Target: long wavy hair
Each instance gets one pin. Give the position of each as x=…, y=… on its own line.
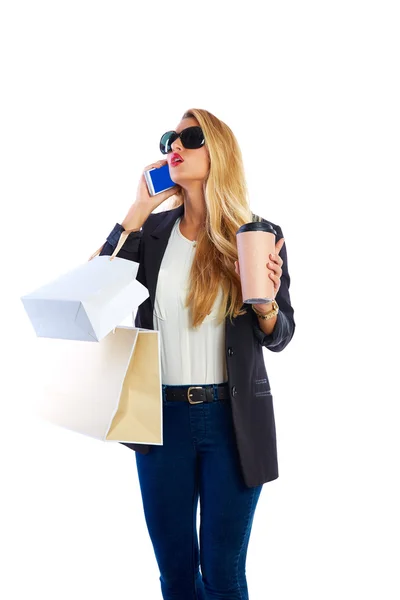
x=227, y=208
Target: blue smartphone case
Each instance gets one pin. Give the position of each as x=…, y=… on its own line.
x=158, y=180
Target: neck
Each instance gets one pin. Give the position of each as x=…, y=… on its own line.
x=195, y=210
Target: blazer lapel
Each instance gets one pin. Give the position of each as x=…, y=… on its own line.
x=157, y=242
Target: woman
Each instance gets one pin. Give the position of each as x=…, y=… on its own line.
x=219, y=441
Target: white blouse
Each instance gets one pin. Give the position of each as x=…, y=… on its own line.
x=188, y=356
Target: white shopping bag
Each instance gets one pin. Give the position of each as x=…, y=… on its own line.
x=110, y=391
x=88, y=302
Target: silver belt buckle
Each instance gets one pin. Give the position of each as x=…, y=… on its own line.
x=194, y=387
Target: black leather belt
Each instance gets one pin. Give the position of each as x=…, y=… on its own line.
x=196, y=394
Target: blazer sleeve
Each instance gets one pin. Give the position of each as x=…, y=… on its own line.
x=285, y=324
x=131, y=250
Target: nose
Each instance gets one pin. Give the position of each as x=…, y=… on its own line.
x=176, y=145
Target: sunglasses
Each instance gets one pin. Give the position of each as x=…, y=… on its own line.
x=191, y=138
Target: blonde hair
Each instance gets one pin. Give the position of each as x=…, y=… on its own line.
x=226, y=198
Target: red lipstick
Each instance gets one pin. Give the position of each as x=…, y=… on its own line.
x=176, y=159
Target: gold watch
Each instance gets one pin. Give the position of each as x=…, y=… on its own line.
x=270, y=314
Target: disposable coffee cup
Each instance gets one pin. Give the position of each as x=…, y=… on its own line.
x=255, y=242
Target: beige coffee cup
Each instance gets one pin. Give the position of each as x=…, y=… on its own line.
x=255, y=242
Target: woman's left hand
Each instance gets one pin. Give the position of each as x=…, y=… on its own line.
x=275, y=266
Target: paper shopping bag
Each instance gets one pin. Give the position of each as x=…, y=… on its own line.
x=110, y=391
x=88, y=302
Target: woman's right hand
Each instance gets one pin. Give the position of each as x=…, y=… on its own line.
x=144, y=204
x=144, y=200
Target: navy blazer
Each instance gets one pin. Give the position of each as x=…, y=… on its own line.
x=250, y=392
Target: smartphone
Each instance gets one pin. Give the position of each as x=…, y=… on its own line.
x=158, y=180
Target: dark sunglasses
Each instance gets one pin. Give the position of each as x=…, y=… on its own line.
x=191, y=138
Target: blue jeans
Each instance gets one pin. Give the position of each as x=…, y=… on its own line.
x=199, y=458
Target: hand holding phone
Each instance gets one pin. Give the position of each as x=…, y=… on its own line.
x=158, y=179
x=158, y=184
x=146, y=203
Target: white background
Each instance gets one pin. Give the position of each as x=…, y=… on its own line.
x=311, y=90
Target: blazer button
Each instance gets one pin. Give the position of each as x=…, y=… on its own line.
x=234, y=392
x=230, y=351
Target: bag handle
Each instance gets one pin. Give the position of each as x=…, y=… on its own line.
x=121, y=242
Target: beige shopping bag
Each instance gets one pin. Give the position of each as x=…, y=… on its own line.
x=110, y=390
